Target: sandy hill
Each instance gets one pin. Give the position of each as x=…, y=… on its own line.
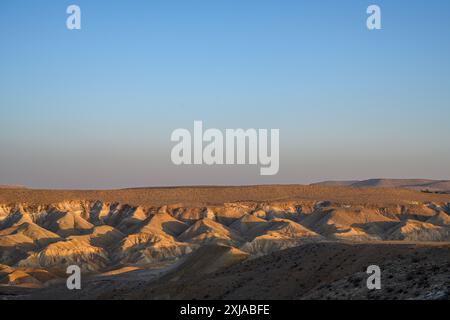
x=207, y=259
x=161, y=226
x=163, y=222
x=323, y=270
x=248, y=223
x=317, y=271
x=208, y=231
x=440, y=219
x=412, y=230
x=28, y=230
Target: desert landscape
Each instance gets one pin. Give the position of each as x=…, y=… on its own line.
x=252, y=242
x=235, y=155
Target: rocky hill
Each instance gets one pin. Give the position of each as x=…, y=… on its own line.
x=427, y=185
x=39, y=239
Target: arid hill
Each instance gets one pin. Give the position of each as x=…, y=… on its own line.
x=155, y=233
x=412, y=184
x=316, y=271
x=198, y=196
x=325, y=270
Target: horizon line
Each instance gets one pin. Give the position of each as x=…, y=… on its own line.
x=25, y=187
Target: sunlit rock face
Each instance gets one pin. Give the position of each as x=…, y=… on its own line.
x=100, y=236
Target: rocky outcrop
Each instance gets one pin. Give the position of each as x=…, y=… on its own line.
x=100, y=236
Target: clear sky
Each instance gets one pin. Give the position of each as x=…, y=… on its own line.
x=94, y=108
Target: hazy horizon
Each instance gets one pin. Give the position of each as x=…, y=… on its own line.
x=94, y=108
x=206, y=185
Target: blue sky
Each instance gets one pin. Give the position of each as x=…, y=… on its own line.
x=94, y=108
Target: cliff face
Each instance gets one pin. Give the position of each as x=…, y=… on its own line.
x=100, y=236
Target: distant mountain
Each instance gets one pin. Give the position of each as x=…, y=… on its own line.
x=437, y=186
x=337, y=183
x=414, y=184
